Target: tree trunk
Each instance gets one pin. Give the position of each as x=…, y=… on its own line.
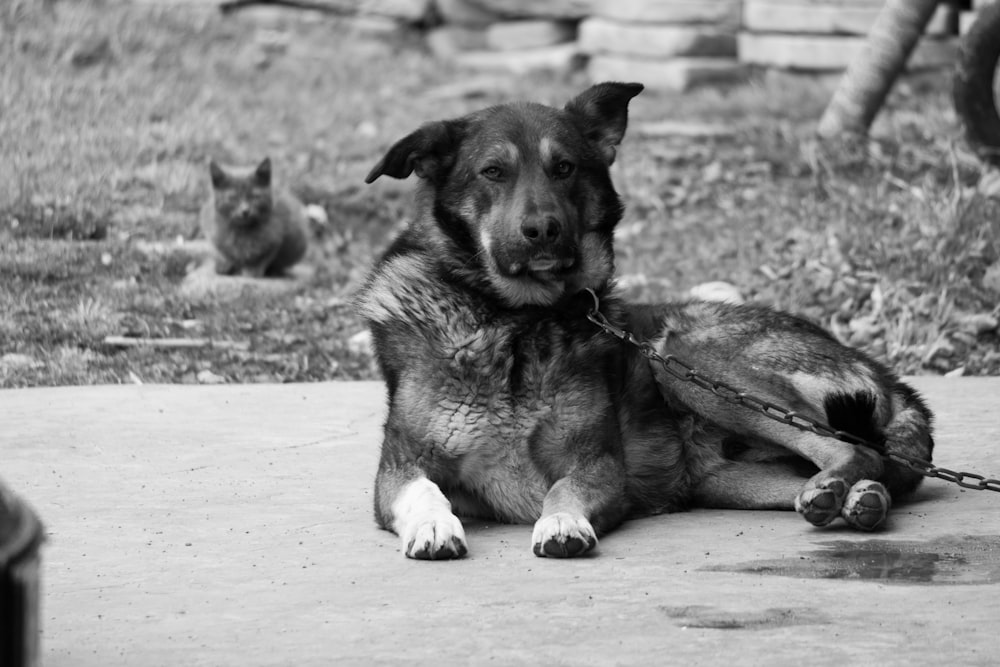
x=869, y=77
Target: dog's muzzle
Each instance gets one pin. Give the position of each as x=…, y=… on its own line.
x=542, y=248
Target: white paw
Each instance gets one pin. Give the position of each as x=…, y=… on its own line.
x=563, y=535
x=434, y=536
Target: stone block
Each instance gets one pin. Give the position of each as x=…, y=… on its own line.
x=529, y=34
x=203, y=284
x=410, y=11
x=674, y=74
x=448, y=40
x=828, y=17
x=554, y=9
x=562, y=57
x=718, y=12
x=465, y=13
x=659, y=129
x=597, y=35
x=829, y=52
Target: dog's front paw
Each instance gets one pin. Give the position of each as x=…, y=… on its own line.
x=867, y=505
x=563, y=535
x=822, y=503
x=438, y=536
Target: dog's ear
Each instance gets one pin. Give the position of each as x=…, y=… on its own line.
x=429, y=151
x=603, y=113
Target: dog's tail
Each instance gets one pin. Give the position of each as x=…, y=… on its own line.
x=908, y=433
x=905, y=429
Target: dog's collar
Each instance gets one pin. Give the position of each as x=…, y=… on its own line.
x=595, y=315
x=595, y=309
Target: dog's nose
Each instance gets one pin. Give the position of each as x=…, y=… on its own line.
x=541, y=230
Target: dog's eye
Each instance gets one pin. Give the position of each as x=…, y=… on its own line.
x=563, y=168
x=493, y=173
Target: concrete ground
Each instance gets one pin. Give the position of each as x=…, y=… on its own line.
x=231, y=525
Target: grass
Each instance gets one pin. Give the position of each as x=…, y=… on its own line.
x=111, y=111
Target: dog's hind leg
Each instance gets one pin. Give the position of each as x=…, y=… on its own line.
x=896, y=421
x=788, y=362
x=842, y=487
x=745, y=485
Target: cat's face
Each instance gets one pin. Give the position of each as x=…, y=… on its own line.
x=242, y=196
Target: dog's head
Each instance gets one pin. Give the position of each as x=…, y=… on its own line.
x=518, y=199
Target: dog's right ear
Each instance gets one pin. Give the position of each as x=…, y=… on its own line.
x=429, y=151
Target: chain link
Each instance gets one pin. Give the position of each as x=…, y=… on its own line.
x=730, y=394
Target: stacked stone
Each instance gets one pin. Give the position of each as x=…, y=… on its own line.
x=826, y=35
x=510, y=35
x=666, y=44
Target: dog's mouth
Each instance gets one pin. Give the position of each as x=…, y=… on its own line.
x=541, y=267
x=537, y=276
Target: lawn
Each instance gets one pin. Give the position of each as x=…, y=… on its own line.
x=109, y=113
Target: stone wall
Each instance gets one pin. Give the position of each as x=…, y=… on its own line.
x=667, y=44
x=825, y=35
x=672, y=45
x=675, y=44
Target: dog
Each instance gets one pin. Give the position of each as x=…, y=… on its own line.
x=506, y=402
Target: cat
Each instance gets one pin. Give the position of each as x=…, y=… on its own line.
x=256, y=229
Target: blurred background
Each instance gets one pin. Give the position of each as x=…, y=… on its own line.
x=111, y=109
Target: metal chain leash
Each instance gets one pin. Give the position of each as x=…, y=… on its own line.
x=730, y=394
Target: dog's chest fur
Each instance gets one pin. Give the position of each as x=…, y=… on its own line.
x=488, y=396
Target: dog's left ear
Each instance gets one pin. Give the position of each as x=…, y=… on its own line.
x=429, y=151
x=603, y=112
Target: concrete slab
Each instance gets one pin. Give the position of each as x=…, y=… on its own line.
x=831, y=52
x=231, y=525
x=655, y=40
x=829, y=16
x=529, y=34
x=716, y=12
x=560, y=58
x=673, y=74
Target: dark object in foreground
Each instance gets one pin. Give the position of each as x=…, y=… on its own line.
x=21, y=536
x=974, y=90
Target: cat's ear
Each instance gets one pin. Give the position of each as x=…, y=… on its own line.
x=218, y=176
x=263, y=173
x=429, y=151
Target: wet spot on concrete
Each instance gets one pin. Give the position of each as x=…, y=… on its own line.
x=948, y=560
x=698, y=616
